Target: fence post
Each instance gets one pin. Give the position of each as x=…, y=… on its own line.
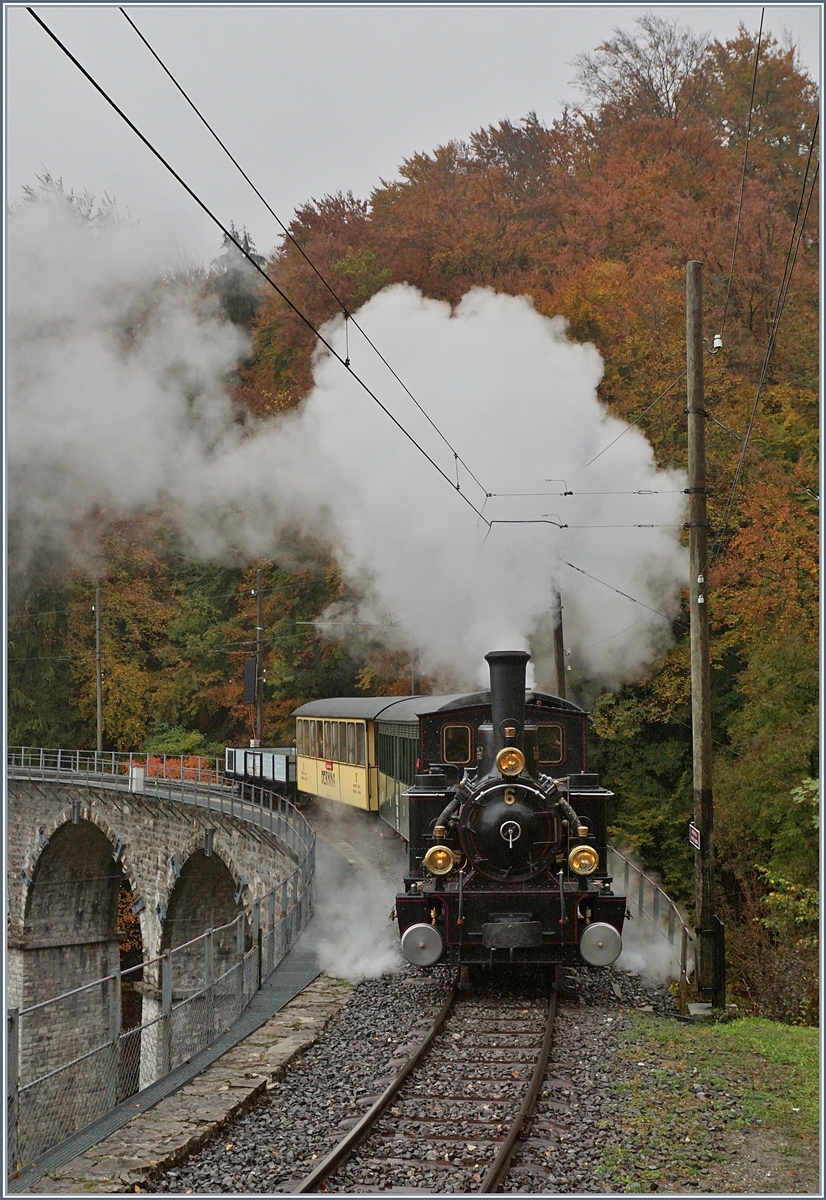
x=209, y=975
x=271, y=931
x=115, y=1029
x=256, y=938
x=285, y=907
x=683, y=976
x=641, y=899
x=719, y=996
x=294, y=905
x=239, y=959
x=13, y=1087
x=166, y=1012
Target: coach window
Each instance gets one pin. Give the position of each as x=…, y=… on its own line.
x=361, y=756
x=328, y=742
x=336, y=756
x=311, y=750
x=351, y=742
x=456, y=744
x=550, y=744
x=299, y=737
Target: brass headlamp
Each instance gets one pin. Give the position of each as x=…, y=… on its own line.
x=439, y=860
x=583, y=860
x=510, y=761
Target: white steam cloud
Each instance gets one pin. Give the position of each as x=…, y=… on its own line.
x=119, y=405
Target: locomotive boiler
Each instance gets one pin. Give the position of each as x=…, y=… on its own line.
x=507, y=860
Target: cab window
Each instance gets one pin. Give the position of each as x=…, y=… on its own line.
x=456, y=744
x=550, y=743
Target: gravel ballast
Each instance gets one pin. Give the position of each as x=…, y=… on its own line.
x=272, y=1145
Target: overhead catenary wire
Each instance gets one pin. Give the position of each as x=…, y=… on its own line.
x=659, y=613
x=765, y=458
x=638, y=492
x=268, y=278
x=743, y=173
x=636, y=419
x=788, y=268
x=348, y=316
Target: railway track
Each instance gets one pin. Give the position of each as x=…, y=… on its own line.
x=458, y=1107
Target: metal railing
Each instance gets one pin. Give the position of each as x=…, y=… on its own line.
x=189, y=993
x=192, y=767
x=655, y=906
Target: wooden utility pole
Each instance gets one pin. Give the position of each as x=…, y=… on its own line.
x=259, y=660
x=415, y=671
x=698, y=596
x=98, y=674
x=559, y=646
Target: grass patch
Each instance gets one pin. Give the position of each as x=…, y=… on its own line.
x=783, y=1066
x=680, y=1086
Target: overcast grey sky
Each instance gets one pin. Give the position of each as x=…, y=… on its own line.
x=311, y=99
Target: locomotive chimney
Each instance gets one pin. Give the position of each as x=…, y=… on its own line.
x=507, y=697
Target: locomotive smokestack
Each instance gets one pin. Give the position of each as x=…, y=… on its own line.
x=507, y=697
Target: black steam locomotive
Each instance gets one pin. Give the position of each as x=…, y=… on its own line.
x=508, y=863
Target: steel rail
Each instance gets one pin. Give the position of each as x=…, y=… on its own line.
x=501, y=1163
x=332, y=1161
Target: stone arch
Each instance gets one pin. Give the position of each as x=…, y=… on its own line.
x=70, y=939
x=202, y=898
x=71, y=908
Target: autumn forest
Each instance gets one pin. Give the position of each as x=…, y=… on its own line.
x=687, y=149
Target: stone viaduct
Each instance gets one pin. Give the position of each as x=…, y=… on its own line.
x=76, y=849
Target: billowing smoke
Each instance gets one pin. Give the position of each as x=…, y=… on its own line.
x=518, y=401
x=351, y=932
x=118, y=404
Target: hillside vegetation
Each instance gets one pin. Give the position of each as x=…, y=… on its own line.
x=594, y=216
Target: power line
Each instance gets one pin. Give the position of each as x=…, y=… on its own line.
x=564, y=525
x=348, y=316
x=294, y=307
x=743, y=175
x=638, y=492
x=765, y=458
x=611, y=588
x=636, y=419
x=788, y=268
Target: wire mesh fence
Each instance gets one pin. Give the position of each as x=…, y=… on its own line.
x=69, y=1057
x=647, y=900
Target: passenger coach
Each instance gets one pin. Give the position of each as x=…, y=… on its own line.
x=366, y=752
